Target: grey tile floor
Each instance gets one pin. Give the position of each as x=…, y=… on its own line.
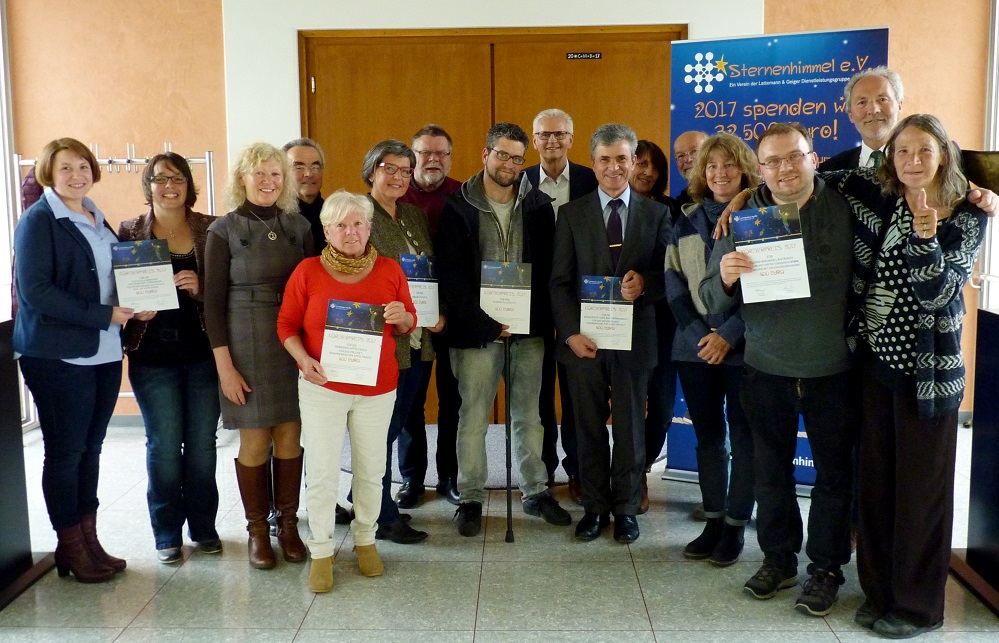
x=544, y=587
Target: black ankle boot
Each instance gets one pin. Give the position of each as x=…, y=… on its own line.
x=729, y=545
x=702, y=546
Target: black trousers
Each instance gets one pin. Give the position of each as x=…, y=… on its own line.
x=413, y=438
x=610, y=479
x=906, y=493
x=830, y=406
x=549, y=420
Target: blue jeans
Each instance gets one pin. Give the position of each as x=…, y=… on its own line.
x=712, y=393
x=180, y=408
x=478, y=371
x=831, y=408
x=407, y=390
x=75, y=404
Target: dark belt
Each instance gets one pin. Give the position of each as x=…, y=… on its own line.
x=263, y=296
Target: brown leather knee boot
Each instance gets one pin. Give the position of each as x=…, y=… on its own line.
x=253, y=491
x=287, y=485
x=88, y=525
x=72, y=555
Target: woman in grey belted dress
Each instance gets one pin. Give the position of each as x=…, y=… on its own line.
x=249, y=255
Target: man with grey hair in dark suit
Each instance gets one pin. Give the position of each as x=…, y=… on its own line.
x=873, y=99
x=612, y=231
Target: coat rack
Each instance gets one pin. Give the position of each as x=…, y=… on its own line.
x=132, y=163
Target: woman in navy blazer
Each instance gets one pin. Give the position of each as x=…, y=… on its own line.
x=67, y=337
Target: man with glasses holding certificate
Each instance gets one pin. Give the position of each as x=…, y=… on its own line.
x=498, y=225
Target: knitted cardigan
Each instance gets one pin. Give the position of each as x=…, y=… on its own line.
x=938, y=268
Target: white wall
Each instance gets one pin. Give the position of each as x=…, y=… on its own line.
x=261, y=40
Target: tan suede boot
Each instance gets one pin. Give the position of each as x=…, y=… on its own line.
x=321, y=575
x=369, y=561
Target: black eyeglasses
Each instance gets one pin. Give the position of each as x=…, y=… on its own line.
x=505, y=156
x=159, y=179
x=559, y=136
x=406, y=172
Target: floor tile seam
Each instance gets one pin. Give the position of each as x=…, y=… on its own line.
x=173, y=573
x=111, y=504
x=482, y=564
x=641, y=590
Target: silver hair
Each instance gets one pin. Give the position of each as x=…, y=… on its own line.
x=306, y=142
x=888, y=74
x=553, y=112
x=375, y=155
x=341, y=203
x=612, y=133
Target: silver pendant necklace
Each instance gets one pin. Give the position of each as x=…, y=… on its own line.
x=270, y=231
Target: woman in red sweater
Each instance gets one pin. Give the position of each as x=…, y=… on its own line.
x=349, y=373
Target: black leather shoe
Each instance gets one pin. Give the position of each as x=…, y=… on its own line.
x=409, y=495
x=400, y=532
x=625, y=529
x=449, y=489
x=343, y=516
x=591, y=525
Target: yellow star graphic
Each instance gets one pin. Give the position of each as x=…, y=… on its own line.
x=720, y=65
x=758, y=222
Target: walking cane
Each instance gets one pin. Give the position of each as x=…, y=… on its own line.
x=509, y=451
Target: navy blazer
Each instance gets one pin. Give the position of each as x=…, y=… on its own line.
x=582, y=180
x=58, y=293
x=581, y=249
x=846, y=160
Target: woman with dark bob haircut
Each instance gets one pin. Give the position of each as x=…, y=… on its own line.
x=172, y=369
x=650, y=175
x=67, y=337
x=917, y=237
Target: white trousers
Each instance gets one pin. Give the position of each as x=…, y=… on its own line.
x=326, y=416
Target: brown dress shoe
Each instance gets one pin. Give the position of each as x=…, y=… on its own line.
x=576, y=490
x=644, y=504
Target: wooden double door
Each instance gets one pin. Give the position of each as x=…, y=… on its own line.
x=361, y=87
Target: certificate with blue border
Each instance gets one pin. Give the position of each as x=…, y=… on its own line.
x=505, y=294
x=352, y=342
x=605, y=316
x=422, y=279
x=771, y=236
x=143, y=275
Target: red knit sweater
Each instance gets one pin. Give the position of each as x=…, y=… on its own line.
x=306, y=300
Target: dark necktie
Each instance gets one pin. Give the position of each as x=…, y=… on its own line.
x=877, y=158
x=614, y=234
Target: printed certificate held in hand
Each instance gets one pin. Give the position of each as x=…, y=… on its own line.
x=605, y=316
x=771, y=236
x=419, y=271
x=505, y=294
x=352, y=342
x=143, y=275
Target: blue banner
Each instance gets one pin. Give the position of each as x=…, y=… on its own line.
x=742, y=85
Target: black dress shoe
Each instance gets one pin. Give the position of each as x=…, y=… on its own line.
x=343, y=516
x=449, y=489
x=409, y=495
x=625, y=529
x=591, y=525
x=400, y=532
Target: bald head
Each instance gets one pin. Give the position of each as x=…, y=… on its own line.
x=685, y=151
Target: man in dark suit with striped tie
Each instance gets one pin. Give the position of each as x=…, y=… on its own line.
x=873, y=101
x=610, y=232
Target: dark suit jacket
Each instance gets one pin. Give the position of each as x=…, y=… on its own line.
x=581, y=249
x=582, y=180
x=845, y=160
x=60, y=314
